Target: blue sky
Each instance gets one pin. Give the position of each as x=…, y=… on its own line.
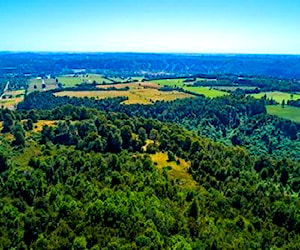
x=201, y=26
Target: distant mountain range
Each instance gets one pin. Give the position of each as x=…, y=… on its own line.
x=278, y=66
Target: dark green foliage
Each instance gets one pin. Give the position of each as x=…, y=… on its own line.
x=8, y=122
x=19, y=135
x=88, y=198
x=3, y=162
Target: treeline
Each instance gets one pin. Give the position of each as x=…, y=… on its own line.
x=261, y=84
x=295, y=103
x=233, y=120
x=89, y=183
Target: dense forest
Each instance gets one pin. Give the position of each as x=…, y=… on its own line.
x=90, y=181
x=171, y=65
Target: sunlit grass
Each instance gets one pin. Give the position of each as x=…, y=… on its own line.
x=288, y=112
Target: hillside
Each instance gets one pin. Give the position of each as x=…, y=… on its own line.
x=101, y=180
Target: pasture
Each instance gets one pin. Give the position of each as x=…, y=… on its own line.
x=288, y=112
x=207, y=91
x=277, y=96
x=69, y=81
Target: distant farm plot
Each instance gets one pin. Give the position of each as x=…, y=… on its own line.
x=12, y=98
x=10, y=103
x=41, y=84
x=277, y=96
x=288, y=112
x=73, y=80
x=141, y=96
x=207, y=91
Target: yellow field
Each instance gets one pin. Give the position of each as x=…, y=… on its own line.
x=178, y=172
x=141, y=96
x=38, y=126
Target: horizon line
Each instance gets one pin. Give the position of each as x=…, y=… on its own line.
x=141, y=52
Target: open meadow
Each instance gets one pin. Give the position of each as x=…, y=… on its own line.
x=288, y=112
x=207, y=91
x=277, y=96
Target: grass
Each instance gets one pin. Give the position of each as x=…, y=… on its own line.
x=288, y=112
x=71, y=80
x=277, y=96
x=135, y=95
x=207, y=91
x=178, y=172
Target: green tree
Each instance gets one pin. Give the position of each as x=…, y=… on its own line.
x=8, y=122
x=79, y=243
x=142, y=135
x=19, y=135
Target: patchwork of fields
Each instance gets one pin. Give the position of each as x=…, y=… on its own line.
x=146, y=92
x=135, y=96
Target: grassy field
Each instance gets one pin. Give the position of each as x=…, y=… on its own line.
x=208, y=92
x=277, y=96
x=288, y=112
x=36, y=84
x=178, y=172
x=72, y=81
x=136, y=95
